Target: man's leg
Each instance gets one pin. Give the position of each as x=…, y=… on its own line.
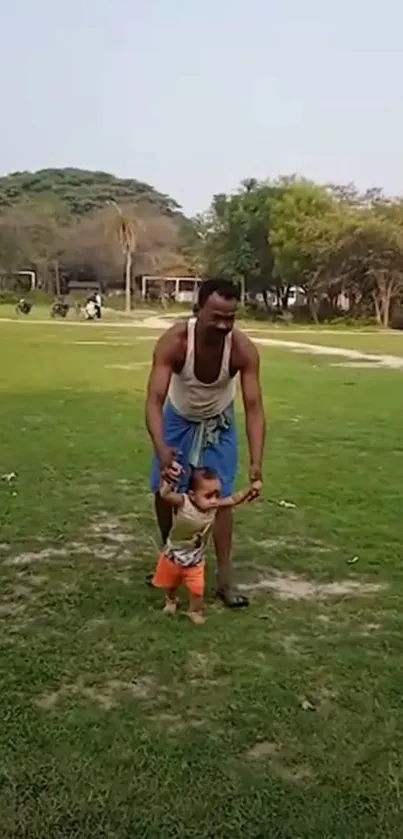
x=222, y=534
x=163, y=513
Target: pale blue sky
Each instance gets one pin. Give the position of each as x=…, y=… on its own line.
x=194, y=95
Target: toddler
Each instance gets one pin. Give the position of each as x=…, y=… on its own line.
x=183, y=558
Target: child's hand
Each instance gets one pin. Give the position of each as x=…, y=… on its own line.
x=254, y=491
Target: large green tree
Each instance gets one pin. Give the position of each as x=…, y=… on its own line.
x=80, y=191
x=235, y=235
x=372, y=256
x=45, y=216
x=305, y=235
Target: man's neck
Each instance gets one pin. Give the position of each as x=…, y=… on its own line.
x=215, y=343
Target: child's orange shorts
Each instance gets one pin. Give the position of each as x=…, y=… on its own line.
x=169, y=574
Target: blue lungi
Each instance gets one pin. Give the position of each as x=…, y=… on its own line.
x=212, y=443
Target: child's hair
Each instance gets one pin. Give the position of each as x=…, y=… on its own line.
x=203, y=474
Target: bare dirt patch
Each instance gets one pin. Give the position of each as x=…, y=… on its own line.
x=176, y=724
x=295, y=587
x=263, y=750
x=369, y=629
x=109, y=528
x=273, y=753
x=107, y=695
x=16, y=599
x=106, y=539
x=290, y=544
x=111, y=540
x=301, y=774
x=290, y=644
x=200, y=665
x=96, y=623
x=29, y=557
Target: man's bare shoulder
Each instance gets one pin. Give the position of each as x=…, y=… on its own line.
x=171, y=345
x=244, y=350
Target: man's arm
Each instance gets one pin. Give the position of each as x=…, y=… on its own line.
x=157, y=389
x=254, y=412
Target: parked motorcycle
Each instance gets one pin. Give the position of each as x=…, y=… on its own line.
x=23, y=307
x=59, y=309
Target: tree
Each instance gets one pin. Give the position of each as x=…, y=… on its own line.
x=192, y=246
x=34, y=233
x=126, y=228
x=306, y=225
x=144, y=236
x=80, y=191
x=235, y=236
x=372, y=255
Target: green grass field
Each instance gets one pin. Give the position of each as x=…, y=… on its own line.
x=281, y=722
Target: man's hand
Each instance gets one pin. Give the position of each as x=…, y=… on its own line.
x=256, y=482
x=170, y=468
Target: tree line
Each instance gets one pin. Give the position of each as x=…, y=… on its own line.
x=333, y=243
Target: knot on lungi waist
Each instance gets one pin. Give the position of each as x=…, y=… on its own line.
x=207, y=433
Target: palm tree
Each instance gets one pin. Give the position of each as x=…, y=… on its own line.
x=127, y=226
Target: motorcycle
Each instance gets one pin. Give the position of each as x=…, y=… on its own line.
x=59, y=309
x=23, y=307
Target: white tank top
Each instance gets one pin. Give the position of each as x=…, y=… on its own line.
x=195, y=400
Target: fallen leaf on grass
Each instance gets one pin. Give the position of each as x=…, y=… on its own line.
x=8, y=477
x=306, y=705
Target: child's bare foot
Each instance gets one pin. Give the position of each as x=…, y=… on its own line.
x=196, y=617
x=170, y=607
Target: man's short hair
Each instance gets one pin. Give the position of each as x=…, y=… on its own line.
x=228, y=289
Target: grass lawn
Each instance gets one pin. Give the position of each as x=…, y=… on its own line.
x=281, y=722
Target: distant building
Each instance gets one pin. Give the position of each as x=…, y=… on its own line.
x=180, y=289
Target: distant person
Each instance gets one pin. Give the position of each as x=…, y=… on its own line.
x=98, y=304
x=90, y=308
x=190, y=412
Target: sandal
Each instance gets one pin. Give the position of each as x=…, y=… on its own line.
x=231, y=598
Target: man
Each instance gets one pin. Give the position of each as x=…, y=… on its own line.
x=190, y=411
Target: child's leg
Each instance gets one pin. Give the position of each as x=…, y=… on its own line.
x=171, y=601
x=168, y=576
x=196, y=606
x=194, y=580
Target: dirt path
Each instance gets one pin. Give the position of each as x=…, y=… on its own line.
x=355, y=357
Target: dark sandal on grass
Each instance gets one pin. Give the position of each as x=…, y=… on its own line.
x=232, y=598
